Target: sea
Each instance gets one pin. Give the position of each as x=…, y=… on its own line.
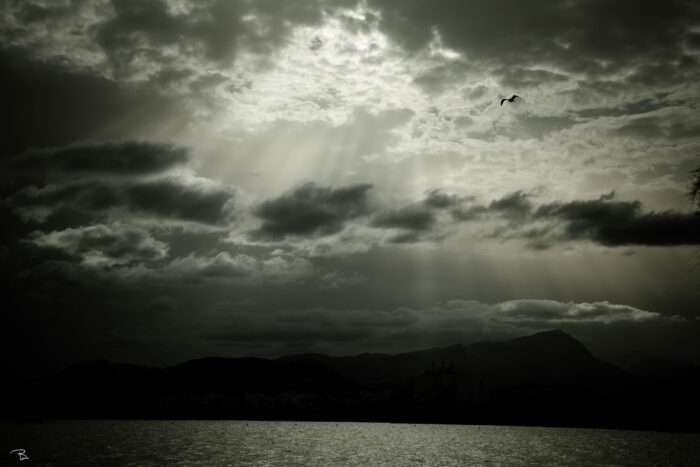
x=327, y=444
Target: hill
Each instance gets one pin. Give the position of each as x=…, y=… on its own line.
x=547, y=378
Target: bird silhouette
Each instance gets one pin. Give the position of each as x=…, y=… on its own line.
x=512, y=99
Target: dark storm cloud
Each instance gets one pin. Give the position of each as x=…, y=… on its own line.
x=164, y=198
x=311, y=210
x=84, y=196
x=416, y=222
x=79, y=183
x=127, y=158
x=137, y=25
x=155, y=47
x=693, y=40
x=29, y=13
x=440, y=200
x=97, y=213
x=106, y=244
x=218, y=28
x=169, y=198
x=604, y=221
x=208, y=81
x=471, y=213
x=593, y=37
x=515, y=206
x=620, y=223
x=33, y=12
x=49, y=104
x=411, y=218
x=316, y=211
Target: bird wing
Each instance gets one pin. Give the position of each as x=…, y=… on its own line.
x=503, y=100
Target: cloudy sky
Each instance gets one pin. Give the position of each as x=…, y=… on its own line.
x=261, y=177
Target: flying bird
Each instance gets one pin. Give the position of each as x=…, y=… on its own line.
x=512, y=99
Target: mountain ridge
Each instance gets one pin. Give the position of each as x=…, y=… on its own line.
x=547, y=378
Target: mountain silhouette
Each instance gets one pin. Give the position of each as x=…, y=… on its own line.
x=548, y=378
x=551, y=357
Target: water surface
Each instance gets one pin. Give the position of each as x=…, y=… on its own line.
x=240, y=443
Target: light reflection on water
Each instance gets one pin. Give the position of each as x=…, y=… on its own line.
x=239, y=443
